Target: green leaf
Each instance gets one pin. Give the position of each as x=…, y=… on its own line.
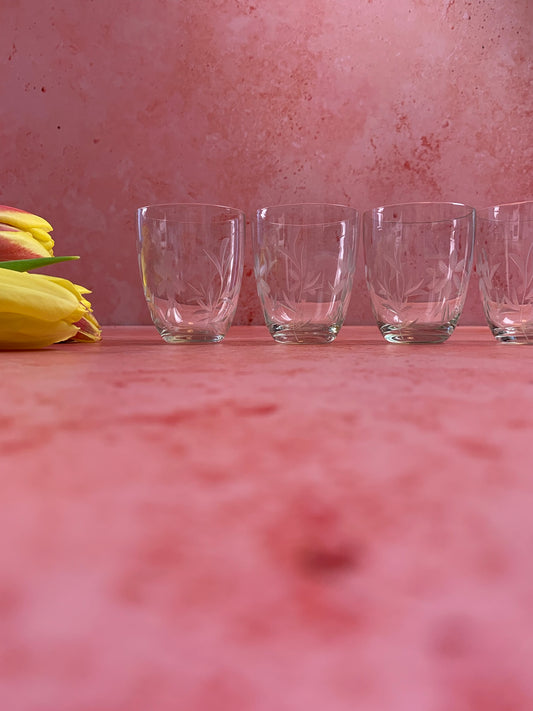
x=24, y=265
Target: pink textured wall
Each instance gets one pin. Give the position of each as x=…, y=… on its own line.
x=106, y=106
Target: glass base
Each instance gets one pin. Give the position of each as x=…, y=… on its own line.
x=519, y=335
x=190, y=337
x=417, y=333
x=303, y=334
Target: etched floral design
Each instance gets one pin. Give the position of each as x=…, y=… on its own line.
x=506, y=282
x=299, y=281
x=212, y=293
x=510, y=279
x=189, y=284
x=416, y=279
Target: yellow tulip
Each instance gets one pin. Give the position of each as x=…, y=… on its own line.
x=38, y=310
x=23, y=235
x=88, y=327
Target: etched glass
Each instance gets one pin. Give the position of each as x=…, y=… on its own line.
x=504, y=261
x=304, y=257
x=191, y=261
x=418, y=260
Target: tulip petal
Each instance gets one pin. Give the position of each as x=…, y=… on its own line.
x=22, y=219
x=15, y=244
x=34, y=295
x=44, y=238
x=88, y=329
x=37, y=310
x=18, y=332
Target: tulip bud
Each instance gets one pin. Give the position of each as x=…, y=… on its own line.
x=23, y=235
x=37, y=310
x=88, y=327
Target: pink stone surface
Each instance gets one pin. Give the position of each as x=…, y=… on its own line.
x=255, y=526
x=107, y=106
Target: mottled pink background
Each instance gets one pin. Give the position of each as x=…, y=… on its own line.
x=106, y=106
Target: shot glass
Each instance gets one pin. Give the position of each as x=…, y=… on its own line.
x=504, y=261
x=418, y=260
x=304, y=259
x=191, y=261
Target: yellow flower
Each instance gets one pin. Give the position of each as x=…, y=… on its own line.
x=88, y=327
x=37, y=310
x=23, y=235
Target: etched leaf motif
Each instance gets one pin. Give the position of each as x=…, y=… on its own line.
x=210, y=293
x=448, y=276
x=487, y=273
x=524, y=267
x=303, y=282
x=264, y=263
x=299, y=282
x=412, y=280
x=395, y=279
x=507, y=275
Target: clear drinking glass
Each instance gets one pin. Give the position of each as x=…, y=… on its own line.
x=418, y=261
x=504, y=260
x=191, y=261
x=304, y=258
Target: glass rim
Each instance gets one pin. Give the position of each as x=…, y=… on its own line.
x=232, y=212
x=302, y=223
x=372, y=212
x=483, y=212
